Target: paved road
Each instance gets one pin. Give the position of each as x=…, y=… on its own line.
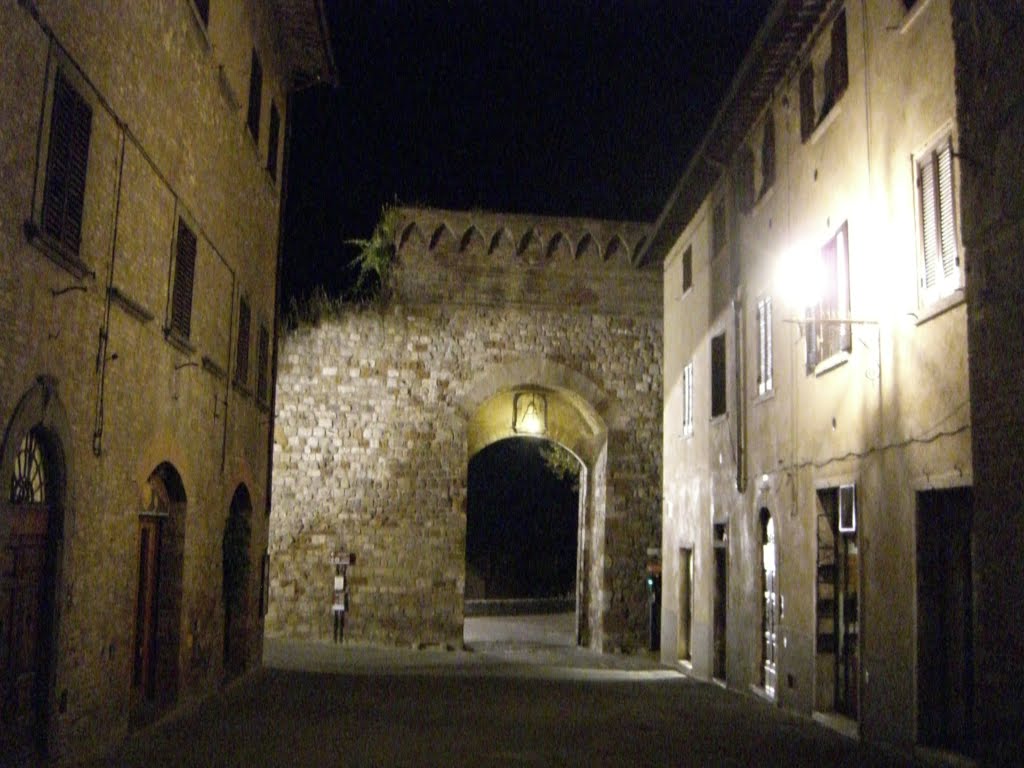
x=501, y=705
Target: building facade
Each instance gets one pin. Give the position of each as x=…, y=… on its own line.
x=381, y=409
x=818, y=532
x=143, y=150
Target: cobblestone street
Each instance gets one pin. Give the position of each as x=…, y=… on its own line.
x=500, y=704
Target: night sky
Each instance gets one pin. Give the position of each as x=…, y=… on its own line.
x=561, y=107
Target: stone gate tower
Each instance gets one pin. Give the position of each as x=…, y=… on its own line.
x=380, y=410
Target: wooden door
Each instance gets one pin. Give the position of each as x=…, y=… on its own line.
x=25, y=606
x=144, y=674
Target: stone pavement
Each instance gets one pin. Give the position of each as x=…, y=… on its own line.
x=497, y=704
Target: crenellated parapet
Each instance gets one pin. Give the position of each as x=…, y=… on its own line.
x=501, y=258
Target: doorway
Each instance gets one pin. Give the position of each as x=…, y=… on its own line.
x=158, y=596
x=29, y=561
x=235, y=572
x=685, y=602
x=837, y=603
x=945, y=649
x=721, y=550
x=770, y=605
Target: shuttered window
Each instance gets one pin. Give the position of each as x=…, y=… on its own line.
x=242, y=350
x=263, y=366
x=827, y=334
x=687, y=268
x=764, y=345
x=744, y=175
x=255, y=96
x=688, y=399
x=718, y=375
x=806, y=102
x=66, y=164
x=840, y=64
x=767, y=154
x=273, y=132
x=718, y=228
x=940, y=273
x=184, y=277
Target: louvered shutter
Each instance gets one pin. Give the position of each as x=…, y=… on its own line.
x=184, y=277
x=242, y=351
x=926, y=180
x=766, y=320
x=947, y=213
x=263, y=365
x=67, y=162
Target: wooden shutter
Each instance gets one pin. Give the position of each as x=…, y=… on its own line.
x=184, y=277
x=263, y=365
x=947, y=210
x=939, y=249
x=67, y=161
x=718, y=392
x=926, y=185
x=272, y=140
x=840, y=65
x=255, y=96
x=764, y=347
x=242, y=351
x=807, y=101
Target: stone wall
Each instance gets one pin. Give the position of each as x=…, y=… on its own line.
x=989, y=38
x=371, y=450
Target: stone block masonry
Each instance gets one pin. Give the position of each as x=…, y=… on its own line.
x=371, y=445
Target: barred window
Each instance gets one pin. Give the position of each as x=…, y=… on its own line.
x=66, y=165
x=184, y=277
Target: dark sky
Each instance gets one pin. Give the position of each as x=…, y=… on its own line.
x=566, y=107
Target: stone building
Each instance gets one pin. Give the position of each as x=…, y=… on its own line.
x=142, y=147
x=380, y=410
x=822, y=544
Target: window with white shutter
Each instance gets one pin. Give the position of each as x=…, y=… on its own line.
x=688, y=399
x=940, y=255
x=764, y=345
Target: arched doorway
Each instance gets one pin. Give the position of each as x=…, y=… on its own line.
x=770, y=612
x=30, y=558
x=158, y=595
x=236, y=567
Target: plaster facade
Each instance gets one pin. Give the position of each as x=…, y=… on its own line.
x=123, y=142
x=813, y=501
x=380, y=410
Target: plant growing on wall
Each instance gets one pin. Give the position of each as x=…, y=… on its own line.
x=377, y=256
x=562, y=463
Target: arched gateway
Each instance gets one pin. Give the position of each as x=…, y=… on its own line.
x=380, y=410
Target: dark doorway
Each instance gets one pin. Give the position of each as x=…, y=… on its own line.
x=945, y=650
x=29, y=560
x=721, y=548
x=236, y=568
x=158, y=596
x=685, y=602
x=522, y=529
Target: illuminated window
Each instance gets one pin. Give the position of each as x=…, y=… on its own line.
x=764, y=345
x=28, y=482
x=827, y=334
x=940, y=257
x=66, y=164
x=822, y=85
x=717, y=375
x=688, y=399
x=184, y=277
x=255, y=96
x=242, y=350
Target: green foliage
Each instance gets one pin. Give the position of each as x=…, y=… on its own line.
x=562, y=463
x=376, y=256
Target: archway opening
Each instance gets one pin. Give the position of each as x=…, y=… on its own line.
x=236, y=567
x=522, y=543
x=161, y=550
x=30, y=558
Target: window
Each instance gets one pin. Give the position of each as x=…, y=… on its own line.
x=202, y=10
x=255, y=96
x=718, y=375
x=764, y=345
x=940, y=257
x=745, y=179
x=687, y=268
x=718, y=228
x=827, y=335
x=66, y=164
x=767, y=154
x=242, y=351
x=184, y=276
x=28, y=481
x=688, y=399
x=819, y=93
x=263, y=366
x=273, y=133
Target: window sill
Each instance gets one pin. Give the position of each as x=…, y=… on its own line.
x=762, y=200
x=210, y=366
x=129, y=305
x=179, y=342
x=54, y=252
x=831, y=363
x=241, y=388
x=765, y=397
x=826, y=122
x=940, y=306
x=720, y=418
x=913, y=14
x=685, y=435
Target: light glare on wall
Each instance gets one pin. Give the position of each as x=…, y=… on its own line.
x=529, y=413
x=800, y=277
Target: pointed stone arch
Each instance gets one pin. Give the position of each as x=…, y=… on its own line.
x=442, y=239
x=472, y=242
x=410, y=235
x=501, y=244
x=616, y=251
x=559, y=248
x=587, y=249
x=531, y=247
